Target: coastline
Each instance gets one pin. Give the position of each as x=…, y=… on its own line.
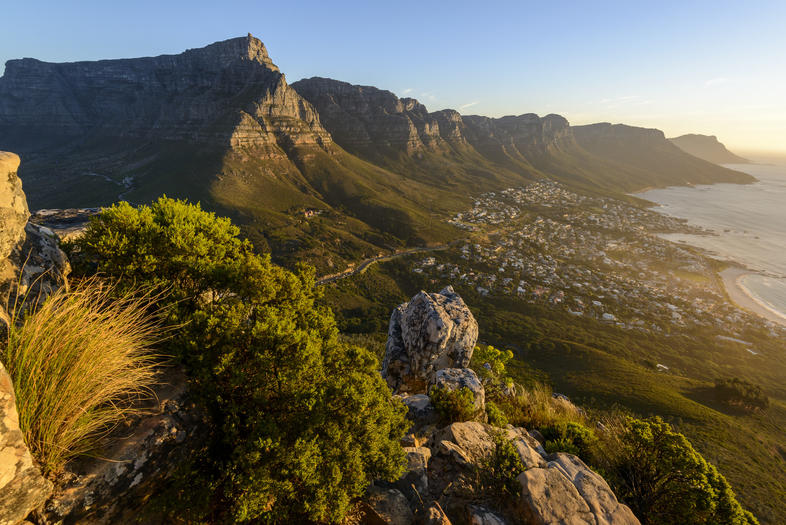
x=743, y=298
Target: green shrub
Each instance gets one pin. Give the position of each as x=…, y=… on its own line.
x=78, y=362
x=738, y=392
x=495, y=415
x=571, y=437
x=501, y=469
x=664, y=479
x=301, y=422
x=489, y=362
x=453, y=405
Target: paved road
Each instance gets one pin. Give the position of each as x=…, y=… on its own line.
x=363, y=266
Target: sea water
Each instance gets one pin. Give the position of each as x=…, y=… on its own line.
x=749, y=221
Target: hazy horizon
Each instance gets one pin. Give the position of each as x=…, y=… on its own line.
x=706, y=68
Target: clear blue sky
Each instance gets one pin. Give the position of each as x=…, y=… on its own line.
x=688, y=66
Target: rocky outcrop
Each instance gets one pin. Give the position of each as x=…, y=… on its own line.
x=707, y=147
x=430, y=341
x=443, y=481
x=431, y=332
x=13, y=218
x=22, y=487
x=31, y=262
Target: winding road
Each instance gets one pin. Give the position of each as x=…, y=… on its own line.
x=363, y=266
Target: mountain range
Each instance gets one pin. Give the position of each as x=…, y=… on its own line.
x=320, y=169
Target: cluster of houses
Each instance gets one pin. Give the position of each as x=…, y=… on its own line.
x=592, y=256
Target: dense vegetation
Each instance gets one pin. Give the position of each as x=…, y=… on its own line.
x=301, y=422
x=659, y=474
x=738, y=392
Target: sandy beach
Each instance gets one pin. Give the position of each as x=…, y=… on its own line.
x=741, y=297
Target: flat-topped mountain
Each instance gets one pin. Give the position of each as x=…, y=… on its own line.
x=650, y=156
x=321, y=169
x=707, y=147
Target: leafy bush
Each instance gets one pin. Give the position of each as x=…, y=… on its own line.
x=301, y=422
x=502, y=468
x=664, y=479
x=489, y=362
x=453, y=405
x=495, y=415
x=571, y=437
x=738, y=392
x=78, y=362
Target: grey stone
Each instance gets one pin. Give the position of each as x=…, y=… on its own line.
x=390, y=505
x=429, y=333
x=479, y=515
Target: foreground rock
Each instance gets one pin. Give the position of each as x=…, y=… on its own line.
x=145, y=455
x=13, y=218
x=31, y=263
x=22, y=487
x=431, y=332
x=430, y=344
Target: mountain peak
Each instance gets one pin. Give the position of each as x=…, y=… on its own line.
x=245, y=48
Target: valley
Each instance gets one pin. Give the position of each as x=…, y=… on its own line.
x=594, y=302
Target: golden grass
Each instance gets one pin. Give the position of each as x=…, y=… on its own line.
x=80, y=362
x=534, y=407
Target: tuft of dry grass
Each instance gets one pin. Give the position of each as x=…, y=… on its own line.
x=80, y=363
x=534, y=407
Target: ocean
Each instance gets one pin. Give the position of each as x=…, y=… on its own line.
x=750, y=223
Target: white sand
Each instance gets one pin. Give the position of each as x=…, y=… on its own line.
x=740, y=295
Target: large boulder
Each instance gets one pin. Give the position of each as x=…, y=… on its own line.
x=22, y=487
x=13, y=218
x=431, y=332
x=31, y=263
x=549, y=498
x=567, y=491
x=594, y=489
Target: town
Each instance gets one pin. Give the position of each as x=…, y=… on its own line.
x=591, y=256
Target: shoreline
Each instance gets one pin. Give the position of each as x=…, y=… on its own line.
x=744, y=299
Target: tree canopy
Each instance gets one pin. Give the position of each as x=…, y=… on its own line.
x=301, y=423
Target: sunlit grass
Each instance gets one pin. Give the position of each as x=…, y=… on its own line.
x=80, y=362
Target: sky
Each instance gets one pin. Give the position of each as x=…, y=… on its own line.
x=715, y=68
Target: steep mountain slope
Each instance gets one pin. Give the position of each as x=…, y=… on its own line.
x=707, y=147
x=648, y=158
x=322, y=169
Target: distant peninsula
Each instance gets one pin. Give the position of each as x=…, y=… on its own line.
x=707, y=147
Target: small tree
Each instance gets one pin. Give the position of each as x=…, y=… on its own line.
x=665, y=480
x=301, y=423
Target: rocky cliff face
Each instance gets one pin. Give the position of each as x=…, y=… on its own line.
x=707, y=147
x=364, y=118
x=228, y=92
